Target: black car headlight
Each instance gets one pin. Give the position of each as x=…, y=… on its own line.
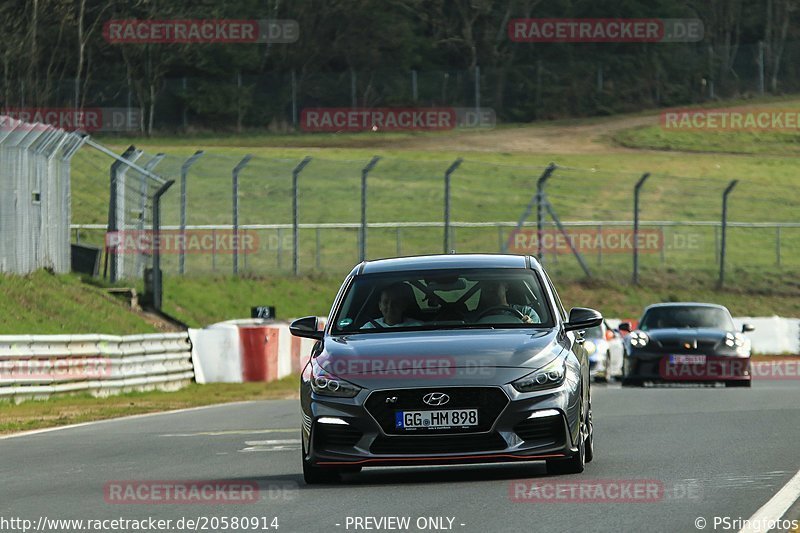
x=734, y=340
x=547, y=377
x=639, y=339
x=326, y=384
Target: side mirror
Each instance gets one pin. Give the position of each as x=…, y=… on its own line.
x=582, y=318
x=306, y=327
x=625, y=326
x=748, y=327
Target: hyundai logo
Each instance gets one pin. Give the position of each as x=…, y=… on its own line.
x=436, y=398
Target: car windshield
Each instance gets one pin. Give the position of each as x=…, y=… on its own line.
x=443, y=299
x=686, y=316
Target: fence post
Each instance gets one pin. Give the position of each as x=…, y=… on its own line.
x=362, y=248
x=414, y=92
x=235, y=175
x=294, y=100
x=317, y=258
x=452, y=168
x=540, y=207
x=184, y=173
x=143, y=188
x=113, y=208
x=636, y=190
x=157, y=280
x=477, y=90
x=723, y=245
x=295, y=237
x=778, y=245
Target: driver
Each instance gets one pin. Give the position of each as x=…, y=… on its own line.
x=495, y=294
x=394, y=303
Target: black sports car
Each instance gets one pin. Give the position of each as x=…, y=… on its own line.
x=686, y=342
x=446, y=359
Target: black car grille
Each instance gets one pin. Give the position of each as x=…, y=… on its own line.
x=679, y=346
x=489, y=401
x=329, y=435
x=542, y=431
x=430, y=444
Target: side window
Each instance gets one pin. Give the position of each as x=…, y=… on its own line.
x=560, y=306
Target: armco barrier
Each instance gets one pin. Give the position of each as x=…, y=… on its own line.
x=38, y=366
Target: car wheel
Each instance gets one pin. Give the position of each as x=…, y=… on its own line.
x=631, y=382
x=747, y=384
x=575, y=464
x=589, y=443
x=314, y=475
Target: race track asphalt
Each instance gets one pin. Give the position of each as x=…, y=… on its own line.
x=709, y=452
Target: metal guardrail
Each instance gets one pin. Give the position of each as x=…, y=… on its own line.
x=39, y=366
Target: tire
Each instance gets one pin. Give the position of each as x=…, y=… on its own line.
x=577, y=463
x=746, y=384
x=589, y=442
x=314, y=475
x=574, y=465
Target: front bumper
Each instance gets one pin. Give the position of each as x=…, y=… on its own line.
x=641, y=366
x=366, y=439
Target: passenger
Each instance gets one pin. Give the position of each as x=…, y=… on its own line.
x=394, y=304
x=495, y=294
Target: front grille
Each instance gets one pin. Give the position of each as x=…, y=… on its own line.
x=678, y=346
x=430, y=444
x=542, y=431
x=489, y=401
x=329, y=435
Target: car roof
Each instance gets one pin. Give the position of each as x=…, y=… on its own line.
x=446, y=261
x=685, y=304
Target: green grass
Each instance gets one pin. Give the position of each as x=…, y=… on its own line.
x=63, y=410
x=763, y=143
x=748, y=293
x=44, y=304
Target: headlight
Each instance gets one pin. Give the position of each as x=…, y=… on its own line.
x=590, y=347
x=639, y=339
x=547, y=377
x=734, y=340
x=326, y=384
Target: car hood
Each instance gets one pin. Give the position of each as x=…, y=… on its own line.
x=688, y=334
x=453, y=357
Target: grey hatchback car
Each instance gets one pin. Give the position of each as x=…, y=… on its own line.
x=446, y=359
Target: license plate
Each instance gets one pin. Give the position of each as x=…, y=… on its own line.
x=440, y=419
x=687, y=359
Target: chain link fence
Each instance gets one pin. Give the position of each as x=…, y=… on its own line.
x=234, y=214
x=35, y=196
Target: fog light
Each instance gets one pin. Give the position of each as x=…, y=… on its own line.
x=332, y=420
x=544, y=413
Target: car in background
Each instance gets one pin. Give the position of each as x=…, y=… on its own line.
x=605, y=348
x=687, y=342
x=458, y=378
